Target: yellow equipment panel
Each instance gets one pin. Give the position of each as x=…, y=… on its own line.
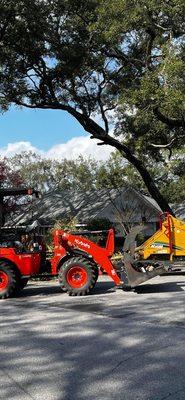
x=168, y=241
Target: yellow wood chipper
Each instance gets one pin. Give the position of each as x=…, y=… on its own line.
x=168, y=243
x=158, y=254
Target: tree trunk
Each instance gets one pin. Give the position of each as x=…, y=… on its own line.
x=147, y=178
x=152, y=188
x=98, y=132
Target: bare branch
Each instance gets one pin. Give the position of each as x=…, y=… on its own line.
x=32, y=80
x=163, y=146
x=99, y=144
x=119, y=55
x=152, y=36
x=99, y=98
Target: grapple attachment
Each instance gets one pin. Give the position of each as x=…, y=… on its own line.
x=129, y=244
x=134, y=272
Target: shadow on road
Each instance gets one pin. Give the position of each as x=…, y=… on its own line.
x=160, y=288
x=120, y=351
x=35, y=289
x=108, y=287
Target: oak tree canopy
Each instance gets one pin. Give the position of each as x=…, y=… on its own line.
x=122, y=61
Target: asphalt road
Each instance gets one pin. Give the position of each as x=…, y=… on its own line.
x=111, y=345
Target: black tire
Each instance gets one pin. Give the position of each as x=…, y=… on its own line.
x=9, y=281
x=23, y=282
x=78, y=276
x=127, y=288
x=96, y=271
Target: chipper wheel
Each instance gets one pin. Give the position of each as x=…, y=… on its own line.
x=78, y=276
x=8, y=280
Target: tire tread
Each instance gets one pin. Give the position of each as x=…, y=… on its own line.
x=93, y=278
x=13, y=286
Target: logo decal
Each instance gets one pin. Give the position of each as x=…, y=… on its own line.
x=80, y=243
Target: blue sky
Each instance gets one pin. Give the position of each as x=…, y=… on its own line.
x=43, y=128
x=52, y=133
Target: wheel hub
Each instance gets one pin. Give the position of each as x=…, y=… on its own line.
x=77, y=277
x=3, y=280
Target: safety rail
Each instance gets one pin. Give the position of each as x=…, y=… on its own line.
x=168, y=231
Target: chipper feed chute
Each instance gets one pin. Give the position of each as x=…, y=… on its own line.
x=133, y=271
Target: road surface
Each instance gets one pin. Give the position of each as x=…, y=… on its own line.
x=111, y=345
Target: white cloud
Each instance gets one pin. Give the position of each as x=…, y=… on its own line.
x=17, y=147
x=80, y=145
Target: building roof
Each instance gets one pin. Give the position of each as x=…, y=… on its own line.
x=58, y=205
x=179, y=210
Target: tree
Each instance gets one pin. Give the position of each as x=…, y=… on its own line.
x=9, y=178
x=45, y=174
x=82, y=174
x=168, y=175
x=92, y=57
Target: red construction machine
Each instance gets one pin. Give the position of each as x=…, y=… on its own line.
x=76, y=260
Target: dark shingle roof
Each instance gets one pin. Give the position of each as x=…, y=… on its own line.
x=57, y=205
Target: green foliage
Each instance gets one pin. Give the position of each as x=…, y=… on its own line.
x=92, y=57
x=117, y=173
x=29, y=169
x=45, y=174
x=10, y=178
x=147, y=41
x=97, y=224
x=67, y=225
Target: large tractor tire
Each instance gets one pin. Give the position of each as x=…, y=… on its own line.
x=23, y=283
x=8, y=280
x=78, y=276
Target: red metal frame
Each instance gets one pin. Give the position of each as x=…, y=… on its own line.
x=168, y=231
x=65, y=242
x=27, y=263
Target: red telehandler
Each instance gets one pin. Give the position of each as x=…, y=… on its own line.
x=76, y=260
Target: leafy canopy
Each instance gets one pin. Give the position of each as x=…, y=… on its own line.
x=99, y=56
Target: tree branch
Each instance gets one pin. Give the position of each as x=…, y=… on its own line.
x=152, y=36
x=97, y=132
x=101, y=108
x=163, y=146
x=171, y=122
x=121, y=56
